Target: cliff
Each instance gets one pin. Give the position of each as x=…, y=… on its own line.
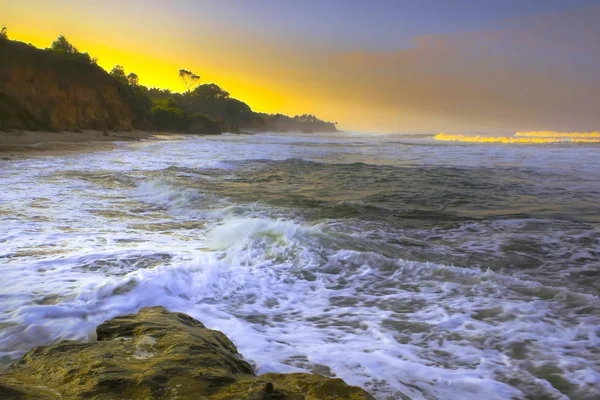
x=61, y=89
x=156, y=354
x=42, y=90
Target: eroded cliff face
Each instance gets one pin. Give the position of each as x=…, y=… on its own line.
x=40, y=90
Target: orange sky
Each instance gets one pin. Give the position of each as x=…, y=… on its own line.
x=530, y=72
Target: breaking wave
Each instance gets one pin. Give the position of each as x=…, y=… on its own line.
x=524, y=138
x=554, y=134
x=430, y=271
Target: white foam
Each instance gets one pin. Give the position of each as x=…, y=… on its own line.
x=291, y=295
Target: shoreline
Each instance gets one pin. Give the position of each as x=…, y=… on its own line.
x=19, y=144
x=23, y=144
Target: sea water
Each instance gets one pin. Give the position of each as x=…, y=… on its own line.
x=412, y=267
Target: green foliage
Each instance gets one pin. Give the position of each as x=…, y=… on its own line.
x=178, y=120
x=136, y=94
x=169, y=118
x=133, y=80
x=160, y=94
x=118, y=72
x=210, y=92
x=302, y=123
x=205, y=124
x=237, y=112
x=166, y=102
x=62, y=45
x=210, y=99
x=302, y=119
x=306, y=118
x=208, y=108
x=140, y=101
x=64, y=48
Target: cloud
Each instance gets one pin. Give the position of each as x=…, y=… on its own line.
x=533, y=73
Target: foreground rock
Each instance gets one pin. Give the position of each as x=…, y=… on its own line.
x=156, y=354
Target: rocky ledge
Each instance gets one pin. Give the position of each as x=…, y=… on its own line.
x=156, y=354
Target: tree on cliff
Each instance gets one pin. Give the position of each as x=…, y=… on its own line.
x=133, y=92
x=118, y=72
x=209, y=92
x=62, y=45
x=189, y=79
x=211, y=100
x=3, y=32
x=133, y=80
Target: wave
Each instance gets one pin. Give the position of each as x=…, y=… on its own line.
x=414, y=135
x=268, y=249
x=555, y=134
x=293, y=305
x=293, y=301
x=539, y=139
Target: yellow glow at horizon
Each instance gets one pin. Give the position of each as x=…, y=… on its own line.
x=568, y=137
x=554, y=134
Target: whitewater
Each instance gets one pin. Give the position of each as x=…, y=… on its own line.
x=413, y=267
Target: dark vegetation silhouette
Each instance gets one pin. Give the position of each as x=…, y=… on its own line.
x=189, y=79
x=62, y=46
x=201, y=108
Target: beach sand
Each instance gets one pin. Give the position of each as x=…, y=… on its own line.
x=28, y=143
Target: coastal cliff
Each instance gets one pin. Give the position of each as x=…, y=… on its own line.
x=160, y=355
x=61, y=89
x=40, y=90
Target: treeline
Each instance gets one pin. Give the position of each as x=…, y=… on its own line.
x=306, y=123
x=201, y=108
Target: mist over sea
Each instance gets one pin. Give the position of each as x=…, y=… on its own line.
x=404, y=264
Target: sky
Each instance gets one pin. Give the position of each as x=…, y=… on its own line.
x=459, y=66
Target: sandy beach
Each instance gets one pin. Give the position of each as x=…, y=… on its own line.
x=28, y=143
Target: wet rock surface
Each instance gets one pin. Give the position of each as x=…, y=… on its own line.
x=156, y=354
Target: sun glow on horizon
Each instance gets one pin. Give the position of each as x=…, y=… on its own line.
x=525, y=138
x=555, y=134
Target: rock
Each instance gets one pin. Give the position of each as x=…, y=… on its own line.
x=156, y=354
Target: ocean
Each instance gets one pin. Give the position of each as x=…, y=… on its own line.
x=413, y=267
